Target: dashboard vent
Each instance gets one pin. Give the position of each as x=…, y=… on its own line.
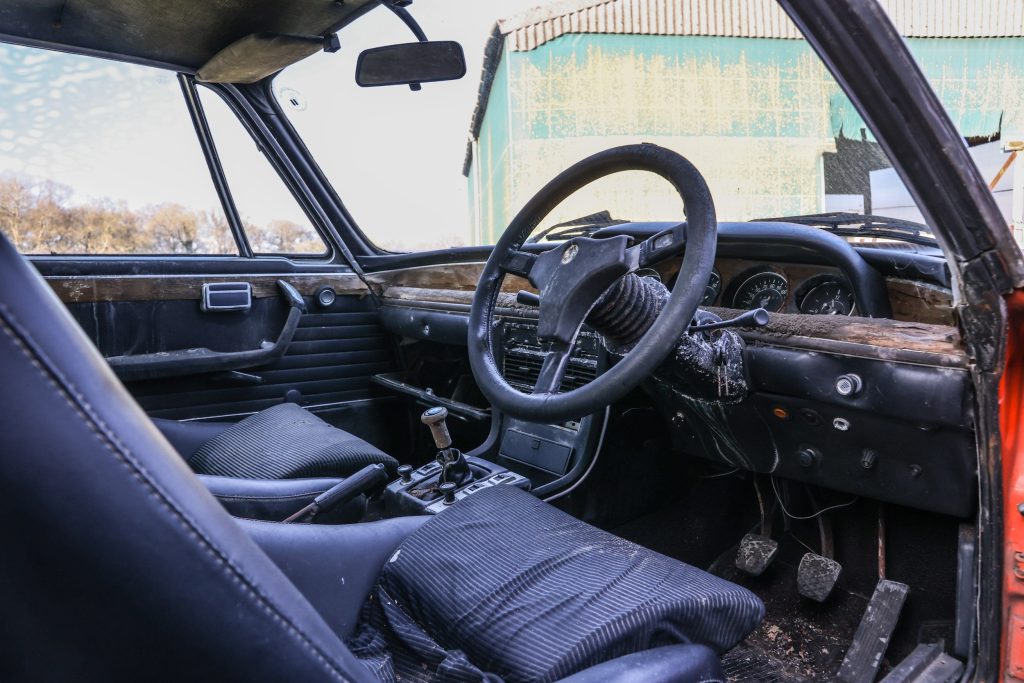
x=523, y=359
x=521, y=370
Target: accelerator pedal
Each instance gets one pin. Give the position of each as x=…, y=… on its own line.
x=816, y=576
x=755, y=553
x=860, y=665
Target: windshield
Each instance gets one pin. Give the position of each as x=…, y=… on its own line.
x=744, y=98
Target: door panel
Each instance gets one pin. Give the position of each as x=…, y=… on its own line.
x=330, y=360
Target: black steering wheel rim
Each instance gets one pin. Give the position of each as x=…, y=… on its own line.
x=699, y=235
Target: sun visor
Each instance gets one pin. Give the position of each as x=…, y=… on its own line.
x=256, y=56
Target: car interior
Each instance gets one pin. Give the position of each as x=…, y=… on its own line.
x=681, y=450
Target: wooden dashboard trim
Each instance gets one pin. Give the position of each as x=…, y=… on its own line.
x=910, y=300
x=892, y=340
x=104, y=288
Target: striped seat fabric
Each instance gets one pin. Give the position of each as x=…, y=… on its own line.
x=504, y=587
x=285, y=442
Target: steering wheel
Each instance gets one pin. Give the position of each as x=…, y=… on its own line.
x=572, y=277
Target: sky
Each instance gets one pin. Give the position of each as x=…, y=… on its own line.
x=120, y=132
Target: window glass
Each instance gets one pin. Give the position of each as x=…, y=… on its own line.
x=741, y=95
x=100, y=157
x=272, y=218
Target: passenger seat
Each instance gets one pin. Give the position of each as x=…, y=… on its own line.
x=282, y=442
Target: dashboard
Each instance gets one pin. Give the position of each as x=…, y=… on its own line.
x=880, y=313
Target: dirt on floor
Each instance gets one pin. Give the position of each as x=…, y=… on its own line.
x=808, y=638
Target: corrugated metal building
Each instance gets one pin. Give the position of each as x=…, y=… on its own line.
x=728, y=83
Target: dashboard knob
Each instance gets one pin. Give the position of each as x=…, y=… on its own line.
x=849, y=385
x=807, y=457
x=405, y=472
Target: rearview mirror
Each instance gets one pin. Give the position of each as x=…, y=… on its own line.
x=411, y=64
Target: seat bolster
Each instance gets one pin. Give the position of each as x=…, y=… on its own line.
x=187, y=437
x=334, y=567
x=273, y=500
x=669, y=664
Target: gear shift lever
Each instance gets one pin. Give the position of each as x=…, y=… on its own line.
x=454, y=467
x=435, y=419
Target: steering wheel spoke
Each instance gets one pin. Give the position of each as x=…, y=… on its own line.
x=519, y=263
x=552, y=371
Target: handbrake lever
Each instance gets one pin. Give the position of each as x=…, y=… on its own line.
x=363, y=481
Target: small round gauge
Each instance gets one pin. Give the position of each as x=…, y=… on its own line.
x=711, y=290
x=831, y=297
x=767, y=290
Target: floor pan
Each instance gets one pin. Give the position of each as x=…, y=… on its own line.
x=750, y=663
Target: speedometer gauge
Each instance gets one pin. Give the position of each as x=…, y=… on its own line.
x=767, y=290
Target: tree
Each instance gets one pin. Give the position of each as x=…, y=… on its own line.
x=170, y=229
x=283, y=237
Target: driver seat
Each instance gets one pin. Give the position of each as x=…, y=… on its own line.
x=120, y=565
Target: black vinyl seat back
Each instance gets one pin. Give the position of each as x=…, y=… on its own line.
x=117, y=563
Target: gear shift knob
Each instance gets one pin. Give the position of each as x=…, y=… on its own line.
x=435, y=419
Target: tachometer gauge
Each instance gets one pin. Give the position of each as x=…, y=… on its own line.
x=828, y=298
x=765, y=290
x=712, y=288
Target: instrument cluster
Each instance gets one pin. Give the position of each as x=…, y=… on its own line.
x=769, y=288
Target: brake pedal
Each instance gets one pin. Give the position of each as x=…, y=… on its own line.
x=755, y=553
x=816, y=576
x=860, y=665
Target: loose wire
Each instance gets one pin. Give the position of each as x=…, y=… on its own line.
x=816, y=514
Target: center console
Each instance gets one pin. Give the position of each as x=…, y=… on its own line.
x=549, y=454
x=418, y=491
x=449, y=478
x=546, y=458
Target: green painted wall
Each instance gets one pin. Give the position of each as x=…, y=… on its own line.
x=755, y=115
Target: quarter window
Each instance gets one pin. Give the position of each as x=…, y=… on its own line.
x=273, y=220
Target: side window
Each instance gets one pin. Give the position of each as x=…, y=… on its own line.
x=101, y=157
x=272, y=218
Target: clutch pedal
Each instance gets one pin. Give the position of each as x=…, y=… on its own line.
x=755, y=553
x=816, y=576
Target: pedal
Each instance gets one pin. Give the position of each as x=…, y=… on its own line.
x=860, y=665
x=926, y=663
x=816, y=576
x=755, y=553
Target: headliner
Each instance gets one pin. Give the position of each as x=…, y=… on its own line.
x=179, y=34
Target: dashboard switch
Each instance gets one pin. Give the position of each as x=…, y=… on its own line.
x=868, y=459
x=807, y=456
x=849, y=385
